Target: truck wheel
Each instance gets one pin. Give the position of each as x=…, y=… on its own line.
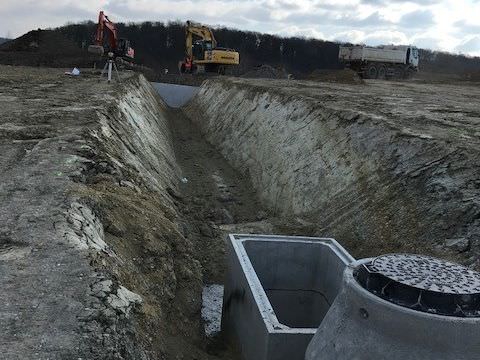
x=399, y=72
x=372, y=71
x=382, y=72
x=409, y=73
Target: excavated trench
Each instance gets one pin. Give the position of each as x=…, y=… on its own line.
x=380, y=172
x=132, y=199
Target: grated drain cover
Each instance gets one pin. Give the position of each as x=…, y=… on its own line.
x=423, y=283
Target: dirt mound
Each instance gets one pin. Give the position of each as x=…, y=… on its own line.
x=474, y=76
x=44, y=48
x=266, y=72
x=345, y=76
x=43, y=41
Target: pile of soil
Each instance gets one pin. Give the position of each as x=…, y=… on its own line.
x=266, y=72
x=345, y=76
x=45, y=48
x=474, y=76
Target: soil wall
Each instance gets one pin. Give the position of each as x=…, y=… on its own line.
x=93, y=262
x=376, y=178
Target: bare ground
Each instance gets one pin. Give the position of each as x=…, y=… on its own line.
x=97, y=261
x=90, y=207
x=76, y=171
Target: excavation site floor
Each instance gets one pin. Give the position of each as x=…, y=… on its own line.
x=215, y=198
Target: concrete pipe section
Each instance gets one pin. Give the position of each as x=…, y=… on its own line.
x=278, y=290
x=402, y=306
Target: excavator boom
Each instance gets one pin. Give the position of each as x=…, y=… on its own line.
x=202, y=52
x=200, y=31
x=119, y=47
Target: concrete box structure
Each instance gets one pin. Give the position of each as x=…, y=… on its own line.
x=277, y=292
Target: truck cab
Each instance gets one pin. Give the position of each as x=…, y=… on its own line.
x=412, y=57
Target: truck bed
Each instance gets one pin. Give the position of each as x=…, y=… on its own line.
x=395, y=55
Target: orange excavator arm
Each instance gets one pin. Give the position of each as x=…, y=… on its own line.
x=119, y=47
x=105, y=24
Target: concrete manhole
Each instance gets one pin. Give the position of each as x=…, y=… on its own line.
x=423, y=283
x=402, y=306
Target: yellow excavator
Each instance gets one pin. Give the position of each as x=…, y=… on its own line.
x=202, y=53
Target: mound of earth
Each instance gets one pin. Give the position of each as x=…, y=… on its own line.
x=346, y=76
x=266, y=72
x=45, y=48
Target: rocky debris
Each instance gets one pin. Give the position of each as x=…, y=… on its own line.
x=86, y=230
x=459, y=244
x=123, y=300
x=225, y=217
x=116, y=297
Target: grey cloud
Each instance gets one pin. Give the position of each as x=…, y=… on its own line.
x=339, y=7
x=343, y=21
x=419, y=19
x=472, y=45
x=465, y=27
x=385, y=2
x=426, y=43
x=282, y=4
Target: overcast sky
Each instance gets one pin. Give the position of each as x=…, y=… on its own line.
x=452, y=25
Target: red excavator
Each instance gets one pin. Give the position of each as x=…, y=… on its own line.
x=119, y=47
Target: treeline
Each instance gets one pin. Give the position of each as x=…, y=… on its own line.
x=161, y=45
x=446, y=63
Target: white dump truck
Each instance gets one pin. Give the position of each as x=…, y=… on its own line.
x=380, y=62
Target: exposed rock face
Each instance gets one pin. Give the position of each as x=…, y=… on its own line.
x=382, y=167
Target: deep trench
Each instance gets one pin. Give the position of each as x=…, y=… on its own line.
x=215, y=200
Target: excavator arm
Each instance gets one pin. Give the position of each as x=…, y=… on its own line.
x=202, y=53
x=105, y=24
x=119, y=47
x=192, y=29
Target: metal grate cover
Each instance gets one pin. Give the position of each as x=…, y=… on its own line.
x=427, y=273
x=423, y=283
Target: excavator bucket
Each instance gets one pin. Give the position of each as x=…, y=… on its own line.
x=96, y=49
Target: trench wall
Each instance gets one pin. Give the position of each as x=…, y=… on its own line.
x=373, y=187
x=125, y=190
